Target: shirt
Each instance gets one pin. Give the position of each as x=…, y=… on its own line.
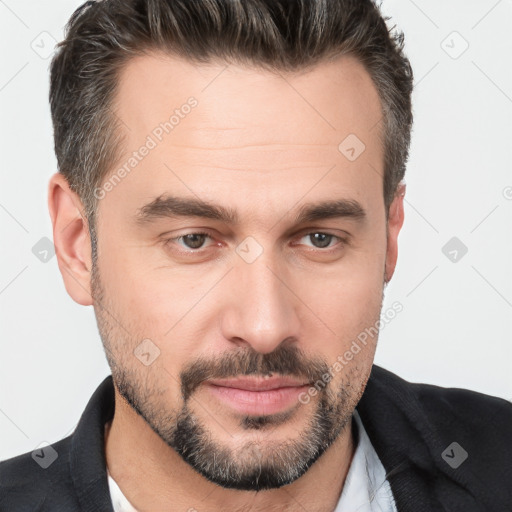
x=365, y=490
x=119, y=500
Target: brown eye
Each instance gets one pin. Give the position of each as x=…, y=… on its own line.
x=193, y=240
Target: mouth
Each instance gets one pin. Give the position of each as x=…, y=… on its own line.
x=257, y=395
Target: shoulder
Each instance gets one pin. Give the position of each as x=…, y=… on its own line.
x=33, y=480
x=456, y=440
x=470, y=409
x=446, y=405
x=478, y=423
x=447, y=417
x=469, y=406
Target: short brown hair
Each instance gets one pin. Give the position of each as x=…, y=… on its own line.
x=279, y=35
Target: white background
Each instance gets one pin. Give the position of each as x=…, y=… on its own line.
x=456, y=326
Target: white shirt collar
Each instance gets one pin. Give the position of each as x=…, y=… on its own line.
x=366, y=488
x=119, y=501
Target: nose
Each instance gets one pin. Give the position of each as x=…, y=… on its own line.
x=262, y=310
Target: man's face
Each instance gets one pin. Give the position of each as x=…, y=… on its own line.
x=262, y=295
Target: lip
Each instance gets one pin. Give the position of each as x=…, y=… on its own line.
x=258, y=383
x=257, y=395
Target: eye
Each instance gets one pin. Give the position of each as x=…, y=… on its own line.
x=194, y=241
x=322, y=240
x=191, y=241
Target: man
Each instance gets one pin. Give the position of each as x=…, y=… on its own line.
x=229, y=200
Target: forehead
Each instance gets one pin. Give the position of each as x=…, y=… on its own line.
x=247, y=124
x=333, y=97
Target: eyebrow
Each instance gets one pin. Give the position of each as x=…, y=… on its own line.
x=166, y=206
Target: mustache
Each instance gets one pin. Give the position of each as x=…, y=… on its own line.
x=286, y=360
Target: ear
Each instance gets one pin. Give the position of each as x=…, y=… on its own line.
x=395, y=222
x=71, y=239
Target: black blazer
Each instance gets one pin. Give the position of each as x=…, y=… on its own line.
x=413, y=428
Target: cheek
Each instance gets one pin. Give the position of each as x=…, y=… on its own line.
x=139, y=289
x=350, y=293
x=349, y=304
x=349, y=313
x=160, y=304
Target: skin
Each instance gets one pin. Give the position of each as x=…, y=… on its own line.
x=262, y=144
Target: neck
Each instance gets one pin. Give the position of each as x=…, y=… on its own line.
x=152, y=475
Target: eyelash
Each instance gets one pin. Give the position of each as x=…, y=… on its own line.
x=168, y=241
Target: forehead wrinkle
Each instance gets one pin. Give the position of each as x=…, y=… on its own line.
x=278, y=146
